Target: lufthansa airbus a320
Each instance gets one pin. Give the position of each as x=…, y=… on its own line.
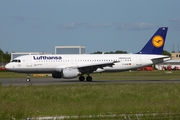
x=72, y=66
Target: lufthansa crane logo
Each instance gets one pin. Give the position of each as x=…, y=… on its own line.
x=157, y=41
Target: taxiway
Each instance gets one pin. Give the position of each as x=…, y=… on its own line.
x=51, y=81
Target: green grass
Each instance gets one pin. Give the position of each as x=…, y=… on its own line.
x=6, y=74
x=139, y=75
x=95, y=99
x=88, y=99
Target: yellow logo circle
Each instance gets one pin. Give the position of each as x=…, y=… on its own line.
x=157, y=41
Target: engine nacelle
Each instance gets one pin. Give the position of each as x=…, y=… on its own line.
x=70, y=73
x=66, y=73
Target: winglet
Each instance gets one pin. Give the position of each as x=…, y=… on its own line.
x=156, y=44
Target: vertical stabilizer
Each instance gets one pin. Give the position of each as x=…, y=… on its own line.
x=156, y=44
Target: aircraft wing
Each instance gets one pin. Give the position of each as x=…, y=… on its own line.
x=104, y=64
x=89, y=68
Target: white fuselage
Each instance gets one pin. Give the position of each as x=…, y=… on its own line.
x=53, y=63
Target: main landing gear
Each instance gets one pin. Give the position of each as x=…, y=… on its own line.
x=82, y=78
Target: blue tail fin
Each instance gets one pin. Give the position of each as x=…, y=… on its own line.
x=156, y=44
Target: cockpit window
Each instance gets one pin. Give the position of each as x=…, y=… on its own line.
x=16, y=61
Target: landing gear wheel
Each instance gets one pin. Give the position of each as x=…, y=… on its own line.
x=28, y=80
x=81, y=78
x=88, y=78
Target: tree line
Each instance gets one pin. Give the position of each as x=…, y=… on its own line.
x=111, y=52
x=124, y=52
x=5, y=57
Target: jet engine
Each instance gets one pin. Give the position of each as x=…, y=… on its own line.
x=70, y=73
x=66, y=73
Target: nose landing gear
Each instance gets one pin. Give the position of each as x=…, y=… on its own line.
x=28, y=79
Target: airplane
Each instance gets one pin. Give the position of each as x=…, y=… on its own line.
x=69, y=66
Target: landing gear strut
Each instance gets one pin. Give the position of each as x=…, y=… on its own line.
x=28, y=79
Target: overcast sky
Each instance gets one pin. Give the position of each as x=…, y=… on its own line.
x=100, y=25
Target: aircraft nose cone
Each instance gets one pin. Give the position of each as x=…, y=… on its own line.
x=7, y=67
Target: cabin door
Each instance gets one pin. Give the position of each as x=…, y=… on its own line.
x=138, y=61
x=29, y=62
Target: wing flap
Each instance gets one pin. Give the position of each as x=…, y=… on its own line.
x=98, y=65
x=92, y=67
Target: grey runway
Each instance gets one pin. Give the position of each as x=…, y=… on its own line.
x=51, y=81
